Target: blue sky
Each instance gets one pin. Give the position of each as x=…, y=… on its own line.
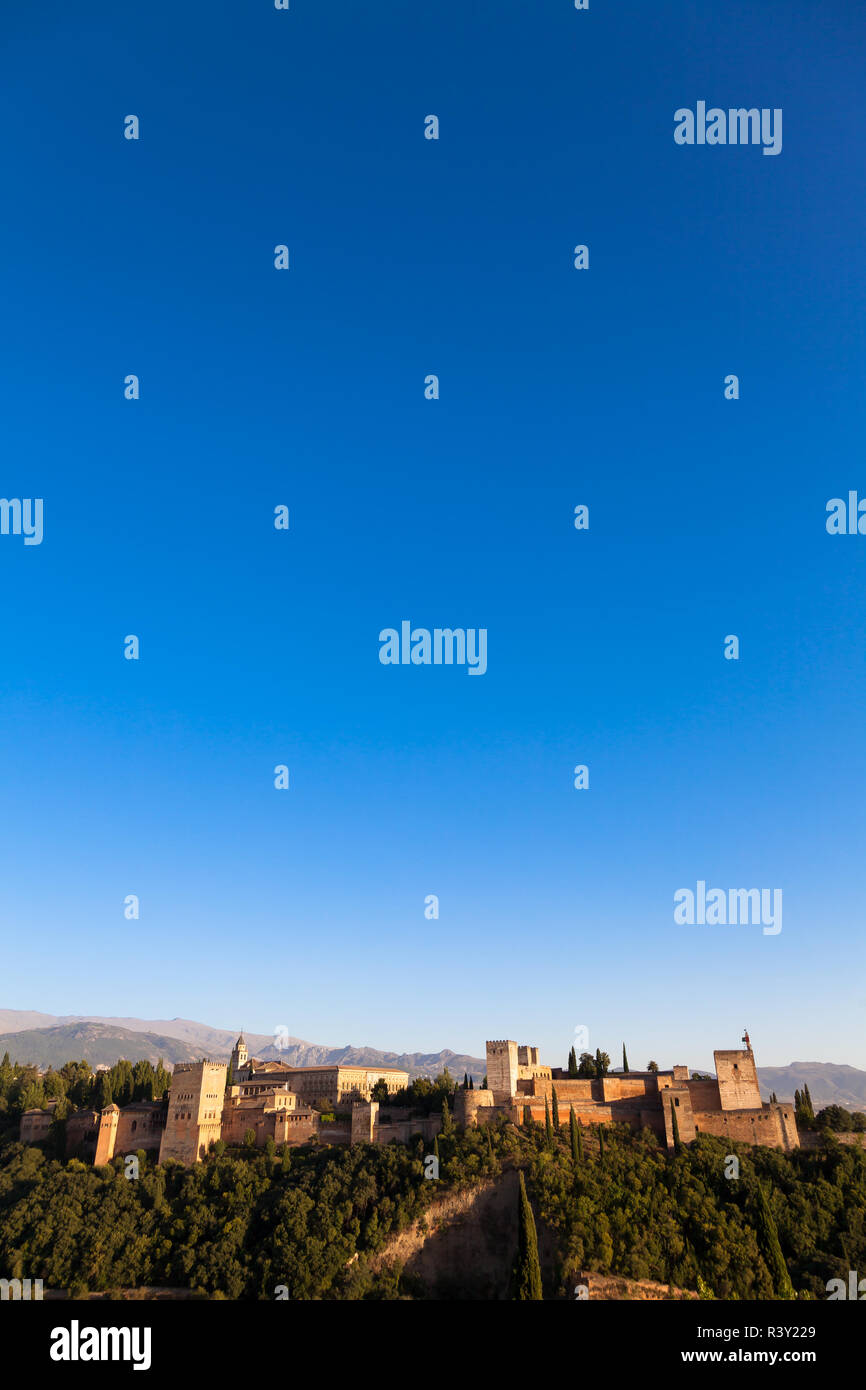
x=605, y=387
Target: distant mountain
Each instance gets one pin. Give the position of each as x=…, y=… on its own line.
x=415, y=1063
x=201, y=1037
x=47, y=1039
x=96, y=1043
x=830, y=1083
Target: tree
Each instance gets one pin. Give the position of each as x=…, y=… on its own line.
x=624, y=1059
x=804, y=1114
x=555, y=1104
x=122, y=1082
x=471, y=1084
x=380, y=1091
x=527, y=1270
x=602, y=1062
x=466, y=1081
x=575, y=1137
x=601, y=1144
x=652, y=1066
x=484, y=1082
x=142, y=1081
x=586, y=1066
x=103, y=1090
x=548, y=1128
x=527, y=1115
x=447, y=1122
x=250, y=1139
x=572, y=1063
x=768, y=1237
x=161, y=1081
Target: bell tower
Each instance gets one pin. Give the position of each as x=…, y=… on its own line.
x=240, y=1057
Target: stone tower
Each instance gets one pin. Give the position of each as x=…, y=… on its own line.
x=738, y=1080
x=195, y=1108
x=240, y=1056
x=106, y=1134
x=502, y=1069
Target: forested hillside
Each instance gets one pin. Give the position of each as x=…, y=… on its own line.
x=308, y=1221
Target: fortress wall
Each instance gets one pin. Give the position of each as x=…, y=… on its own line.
x=705, y=1095
x=35, y=1125
x=604, y=1090
x=402, y=1130
x=765, y=1127
x=585, y=1089
x=651, y=1117
x=81, y=1132
x=677, y=1099
x=626, y=1088
x=813, y=1138
x=468, y=1103
x=290, y=1127
x=139, y=1128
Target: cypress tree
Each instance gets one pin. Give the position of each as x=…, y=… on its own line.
x=465, y=1081
x=436, y=1147
x=572, y=1063
x=580, y=1141
x=768, y=1237
x=471, y=1084
x=446, y=1116
x=575, y=1137
x=489, y=1141
x=555, y=1110
x=624, y=1059
x=601, y=1143
x=808, y=1099
x=676, y=1129
x=527, y=1271
x=548, y=1128
x=527, y=1115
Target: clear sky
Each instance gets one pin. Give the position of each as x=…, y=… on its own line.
x=305, y=907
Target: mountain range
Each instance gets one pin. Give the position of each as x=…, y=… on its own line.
x=50, y=1040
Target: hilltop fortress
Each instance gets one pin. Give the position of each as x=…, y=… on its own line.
x=253, y=1102
x=728, y=1106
